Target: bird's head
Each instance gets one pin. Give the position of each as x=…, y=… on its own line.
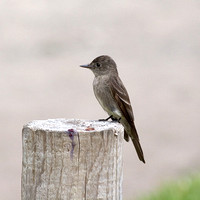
x=102, y=65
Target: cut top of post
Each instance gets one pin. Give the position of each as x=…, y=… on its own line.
x=79, y=125
x=72, y=159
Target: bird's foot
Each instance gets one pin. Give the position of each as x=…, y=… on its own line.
x=115, y=119
x=110, y=117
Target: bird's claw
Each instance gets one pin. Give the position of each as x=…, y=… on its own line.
x=110, y=117
x=116, y=120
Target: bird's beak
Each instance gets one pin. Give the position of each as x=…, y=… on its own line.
x=86, y=66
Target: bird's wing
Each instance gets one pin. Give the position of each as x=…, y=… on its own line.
x=120, y=94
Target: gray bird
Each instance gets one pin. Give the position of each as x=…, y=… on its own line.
x=113, y=97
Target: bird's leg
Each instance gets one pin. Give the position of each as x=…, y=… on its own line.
x=110, y=117
x=115, y=119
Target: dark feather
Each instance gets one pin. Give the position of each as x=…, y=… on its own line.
x=126, y=137
x=120, y=94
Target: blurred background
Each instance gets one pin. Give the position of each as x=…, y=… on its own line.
x=156, y=45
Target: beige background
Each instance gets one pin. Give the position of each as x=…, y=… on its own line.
x=156, y=45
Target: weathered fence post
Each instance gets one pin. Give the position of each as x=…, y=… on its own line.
x=72, y=160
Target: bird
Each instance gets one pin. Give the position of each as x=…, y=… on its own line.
x=113, y=97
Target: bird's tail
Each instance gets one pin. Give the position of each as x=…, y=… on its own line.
x=135, y=139
x=138, y=149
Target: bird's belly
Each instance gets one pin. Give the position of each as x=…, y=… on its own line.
x=106, y=100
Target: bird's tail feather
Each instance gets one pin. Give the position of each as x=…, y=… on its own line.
x=138, y=149
x=135, y=139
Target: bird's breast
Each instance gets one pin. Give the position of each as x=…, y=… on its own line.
x=101, y=89
x=104, y=96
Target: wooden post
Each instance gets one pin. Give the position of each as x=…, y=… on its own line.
x=72, y=160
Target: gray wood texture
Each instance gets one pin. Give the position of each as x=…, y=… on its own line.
x=71, y=160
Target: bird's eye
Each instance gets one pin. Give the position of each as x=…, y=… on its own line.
x=98, y=64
